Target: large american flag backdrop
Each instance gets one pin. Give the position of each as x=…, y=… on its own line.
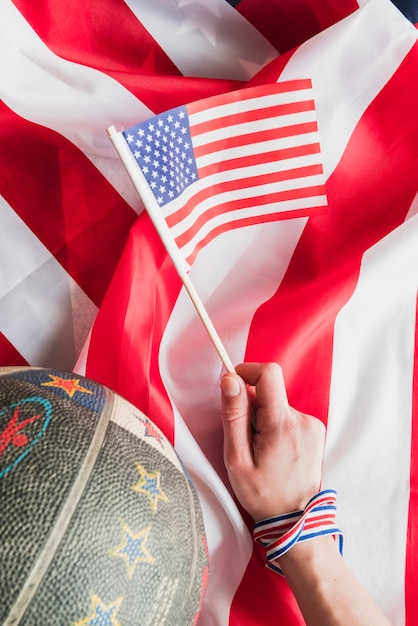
x=86, y=284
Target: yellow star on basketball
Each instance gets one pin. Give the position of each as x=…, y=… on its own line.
x=133, y=549
x=101, y=614
x=69, y=385
x=149, y=484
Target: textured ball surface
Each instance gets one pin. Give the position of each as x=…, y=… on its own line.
x=99, y=522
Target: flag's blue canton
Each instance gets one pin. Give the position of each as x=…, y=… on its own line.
x=163, y=149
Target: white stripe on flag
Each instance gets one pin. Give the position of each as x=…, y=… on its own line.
x=50, y=91
x=233, y=283
x=260, y=148
x=233, y=279
x=224, y=526
x=43, y=312
x=262, y=102
x=369, y=425
x=255, y=192
x=341, y=97
x=252, y=211
x=265, y=167
x=209, y=39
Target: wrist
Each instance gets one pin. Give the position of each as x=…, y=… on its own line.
x=280, y=534
x=326, y=590
x=266, y=507
x=311, y=556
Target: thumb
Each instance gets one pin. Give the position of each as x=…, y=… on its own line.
x=236, y=420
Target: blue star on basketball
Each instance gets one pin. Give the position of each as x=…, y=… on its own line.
x=101, y=614
x=149, y=484
x=133, y=548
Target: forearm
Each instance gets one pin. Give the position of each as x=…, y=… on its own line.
x=327, y=592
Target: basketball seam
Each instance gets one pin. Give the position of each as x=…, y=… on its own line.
x=195, y=538
x=62, y=522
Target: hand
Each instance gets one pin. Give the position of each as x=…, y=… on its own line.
x=273, y=453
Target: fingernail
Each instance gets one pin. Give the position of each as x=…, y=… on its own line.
x=230, y=387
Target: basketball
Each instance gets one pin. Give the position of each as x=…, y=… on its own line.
x=100, y=523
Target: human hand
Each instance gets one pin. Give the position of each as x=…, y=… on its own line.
x=273, y=453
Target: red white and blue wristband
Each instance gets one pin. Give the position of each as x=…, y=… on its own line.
x=278, y=534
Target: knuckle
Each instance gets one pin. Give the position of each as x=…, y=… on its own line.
x=235, y=463
x=231, y=414
x=272, y=368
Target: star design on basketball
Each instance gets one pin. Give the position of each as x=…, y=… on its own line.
x=69, y=385
x=101, y=614
x=133, y=549
x=149, y=484
x=152, y=431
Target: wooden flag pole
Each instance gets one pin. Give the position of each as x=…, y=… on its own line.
x=157, y=218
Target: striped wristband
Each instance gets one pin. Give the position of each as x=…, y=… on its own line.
x=278, y=534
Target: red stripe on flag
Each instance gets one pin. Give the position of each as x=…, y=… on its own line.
x=232, y=185
x=283, y=87
x=259, y=137
x=247, y=117
x=251, y=221
x=259, y=159
x=126, y=335
x=8, y=353
x=64, y=200
x=254, y=601
x=368, y=196
x=235, y=205
x=411, y=566
x=87, y=35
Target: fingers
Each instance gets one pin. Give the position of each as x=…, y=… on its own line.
x=269, y=389
x=274, y=467
x=235, y=407
x=266, y=391
x=268, y=380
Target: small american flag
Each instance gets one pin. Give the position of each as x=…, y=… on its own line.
x=229, y=161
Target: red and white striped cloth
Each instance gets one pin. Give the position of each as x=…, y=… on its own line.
x=332, y=298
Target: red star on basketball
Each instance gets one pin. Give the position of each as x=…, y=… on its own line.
x=152, y=431
x=69, y=385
